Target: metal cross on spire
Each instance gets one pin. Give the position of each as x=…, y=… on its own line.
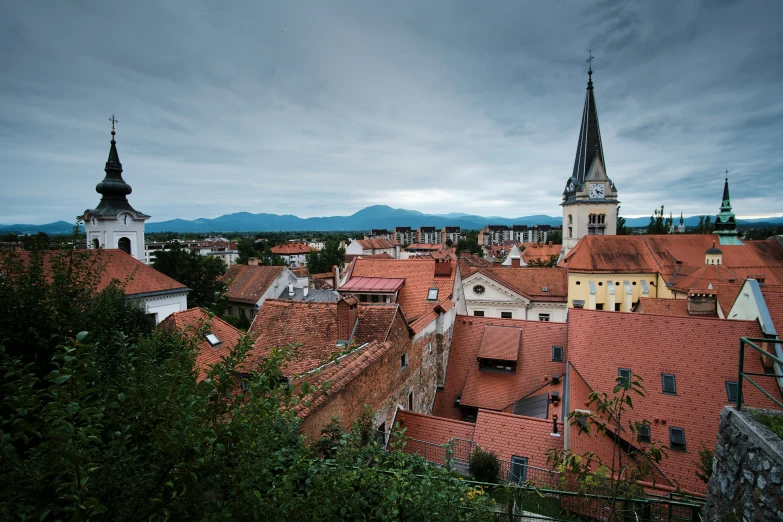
x=590, y=60
x=113, y=120
x=727, y=174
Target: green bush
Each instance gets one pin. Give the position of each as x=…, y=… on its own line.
x=484, y=466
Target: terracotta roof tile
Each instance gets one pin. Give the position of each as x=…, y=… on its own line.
x=469, y=264
x=539, y=251
x=500, y=342
x=247, y=284
x=773, y=296
x=195, y=323
x=531, y=282
x=649, y=305
x=419, y=275
x=135, y=277
x=375, y=243
x=292, y=249
x=437, y=430
x=314, y=326
x=508, y=435
x=498, y=391
x=702, y=353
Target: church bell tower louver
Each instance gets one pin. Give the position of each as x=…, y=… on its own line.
x=590, y=196
x=114, y=223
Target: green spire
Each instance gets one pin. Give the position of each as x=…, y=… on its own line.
x=725, y=221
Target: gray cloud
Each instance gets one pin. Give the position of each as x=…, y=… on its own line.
x=317, y=108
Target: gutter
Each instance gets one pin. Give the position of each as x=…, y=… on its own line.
x=159, y=293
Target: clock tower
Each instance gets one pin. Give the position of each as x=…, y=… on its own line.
x=590, y=196
x=114, y=223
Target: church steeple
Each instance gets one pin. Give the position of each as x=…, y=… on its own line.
x=589, y=146
x=725, y=221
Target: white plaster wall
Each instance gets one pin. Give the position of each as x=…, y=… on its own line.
x=166, y=305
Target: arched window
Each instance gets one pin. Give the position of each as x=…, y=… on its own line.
x=570, y=219
x=124, y=244
x=96, y=243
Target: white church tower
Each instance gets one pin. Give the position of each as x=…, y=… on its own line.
x=590, y=196
x=114, y=223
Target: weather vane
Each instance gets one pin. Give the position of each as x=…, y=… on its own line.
x=113, y=120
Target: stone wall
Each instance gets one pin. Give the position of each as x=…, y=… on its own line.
x=747, y=480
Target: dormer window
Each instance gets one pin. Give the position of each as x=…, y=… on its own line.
x=212, y=339
x=497, y=366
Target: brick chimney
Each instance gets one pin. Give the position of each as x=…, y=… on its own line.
x=702, y=302
x=336, y=271
x=442, y=268
x=252, y=261
x=515, y=262
x=347, y=314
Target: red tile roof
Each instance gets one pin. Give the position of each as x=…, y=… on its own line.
x=247, y=284
x=676, y=254
x=135, y=277
x=195, y=323
x=497, y=391
x=649, y=305
x=500, y=342
x=508, y=435
x=426, y=246
x=372, y=284
x=292, y=249
x=726, y=294
x=539, y=251
x=419, y=275
x=531, y=282
x=702, y=353
x=376, y=243
x=313, y=326
x=437, y=430
x=773, y=296
x=469, y=264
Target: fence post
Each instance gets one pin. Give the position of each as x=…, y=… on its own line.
x=739, y=373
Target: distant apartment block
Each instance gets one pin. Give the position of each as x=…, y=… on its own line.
x=499, y=234
x=210, y=246
x=450, y=233
x=404, y=235
x=381, y=232
x=427, y=236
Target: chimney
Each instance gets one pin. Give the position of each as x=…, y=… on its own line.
x=515, y=262
x=305, y=290
x=347, y=314
x=336, y=270
x=443, y=268
x=702, y=302
x=290, y=290
x=252, y=261
x=550, y=243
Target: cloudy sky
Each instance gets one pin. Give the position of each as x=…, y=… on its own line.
x=322, y=108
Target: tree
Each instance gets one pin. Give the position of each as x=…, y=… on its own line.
x=110, y=422
x=470, y=245
x=618, y=478
x=550, y=262
x=249, y=248
x=622, y=228
x=484, y=466
x=556, y=237
x=658, y=225
x=199, y=273
x=449, y=243
x=319, y=262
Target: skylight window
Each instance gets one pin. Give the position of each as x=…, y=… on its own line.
x=432, y=294
x=557, y=353
x=677, y=439
x=668, y=384
x=625, y=375
x=731, y=391
x=212, y=339
x=644, y=433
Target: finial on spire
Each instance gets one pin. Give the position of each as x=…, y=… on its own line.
x=727, y=174
x=590, y=62
x=113, y=120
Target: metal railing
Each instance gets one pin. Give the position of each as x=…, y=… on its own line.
x=743, y=375
x=529, y=475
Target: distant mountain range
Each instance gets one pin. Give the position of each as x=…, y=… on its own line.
x=377, y=216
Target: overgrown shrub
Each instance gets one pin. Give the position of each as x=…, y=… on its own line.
x=484, y=466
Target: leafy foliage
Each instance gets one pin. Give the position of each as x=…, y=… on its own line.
x=658, y=224
x=323, y=261
x=706, y=458
x=616, y=477
x=248, y=248
x=550, y=262
x=622, y=228
x=484, y=466
x=197, y=272
x=102, y=418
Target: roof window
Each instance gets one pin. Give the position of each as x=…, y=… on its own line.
x=623, y=376
x=557, y=353
x=731, y=391
x=432, y=294
x=677, y=439
x=644, y=433
x=668, y=384
x=212, y=339
x=544, y=289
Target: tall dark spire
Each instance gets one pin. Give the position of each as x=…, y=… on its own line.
x=726, y=200
x=589, y=146
x=725, y=221
x=113, y=189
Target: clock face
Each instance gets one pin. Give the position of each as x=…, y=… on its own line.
x=596, y=190
x=124, y=220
